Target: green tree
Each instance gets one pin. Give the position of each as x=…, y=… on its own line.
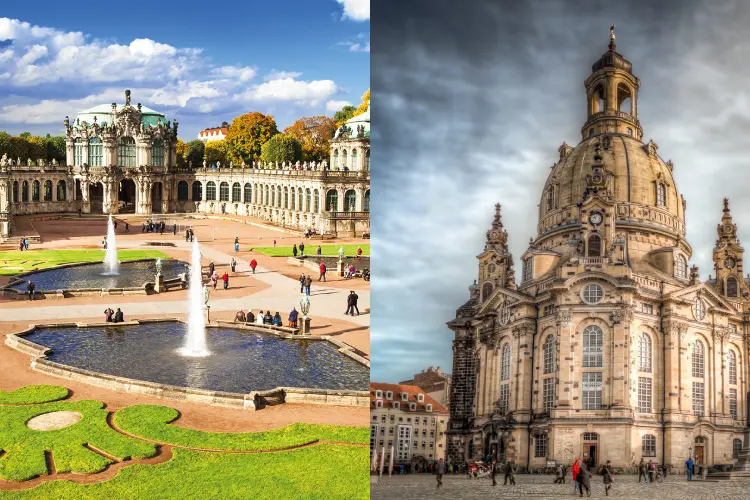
x=37, y=147
x=247, y=134
x=195, y=151
x=5, y=144
x=216, y=151
x=343, y=115
x=25, y=135
x=315, y=134
x=281, y=148
x=18, y=148
x=55, y=147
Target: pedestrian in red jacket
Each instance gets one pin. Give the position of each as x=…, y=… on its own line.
x=225, y=279
x=322, y=271
x=253, y=265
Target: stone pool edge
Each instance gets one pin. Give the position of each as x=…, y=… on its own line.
x=254, y=400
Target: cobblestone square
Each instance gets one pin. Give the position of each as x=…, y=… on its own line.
x=419, y=486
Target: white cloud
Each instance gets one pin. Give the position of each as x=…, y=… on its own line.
x=333, y=106
x=356, y=10
x=280, y=75
x=241, y=73
x=53, y=110
x=358, y=47
x=289, y=89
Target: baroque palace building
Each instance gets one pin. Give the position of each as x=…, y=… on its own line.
x=611, y=348
x=121, y=159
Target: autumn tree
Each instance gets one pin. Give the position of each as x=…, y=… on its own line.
x=314, y=134
x=215, y=152
x=195, y=151
x=341, y=116
x=247, y=134
x=364, y=105
x=281, y=148
x=180, y=150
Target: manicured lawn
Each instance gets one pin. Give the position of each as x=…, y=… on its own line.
x=319, y=472
x=14, y=261
x=151, y=422
x=311, y=249
x=33, y=394
x=24, y=447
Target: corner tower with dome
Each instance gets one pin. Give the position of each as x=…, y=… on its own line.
x=609, y=348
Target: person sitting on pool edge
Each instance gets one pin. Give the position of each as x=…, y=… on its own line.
x=277, y=319
x=250, y=318
x=259, y=318
x=268, y=319
x=119, y=318
x=240, y=317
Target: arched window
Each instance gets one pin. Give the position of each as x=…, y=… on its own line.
x=182, y=191
x=343, y=159
x=550, y=198
x=367, y=160
x=648, y=443
x=211, y=191
x=278, y=196
x=15, y=191
x=367, y=201
x=293, y=202
x=595, y=246
x=300, y=199
x=236, y=192
x=644, y=353
x=731, y=286
x=197, y=191
x=732, y=362
x=549, y=354
x=96, y=156
x=487, y=290
x=78, y=152
x=25, y=192
x=698, y=359
x=248, y=193
x=699, y=309
x=350, y=201
x=267, y=197
x=733, y=403
x=354, y=159
x=335, y=158
x=35, y=191
x=629, y=131
x=593, y=341
x=316, y=202
x=661, y=195
x=528, y=269
x=286, y=197
x=224, y=191
x=48, y=190
x=332, y=200
x=680, y=267
x=126, y=152
x=736, y=448
x=591, y=132
x=505, y=363
x=157, y=153
x=61, y=191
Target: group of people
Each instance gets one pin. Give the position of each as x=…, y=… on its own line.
x=23, y=244
x=266, y=318
x=189, y=234
x=111, y=316
x=650, y=469
x=155, y=227
x=310, y=232
x=213, y=276
x=305, y=282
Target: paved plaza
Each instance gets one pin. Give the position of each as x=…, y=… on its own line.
x=419, y=486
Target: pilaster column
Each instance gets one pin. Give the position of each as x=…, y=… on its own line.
x=69, y=154
x=674, y=331
x=564, y=359
x=85, y=152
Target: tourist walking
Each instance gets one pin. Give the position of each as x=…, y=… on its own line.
x=259, y=319
x=294, y=250
x=127, y=227
x=642, y=471
x=104, y=243
x=119, y=317
x=689, y=465
x=493, y=471
x=174, y=229
x=192, y=234
x=293, y=314
x=351, y=303
x=308, y=284
x=20, y=244
x=187, y=234
x=225, y=279
x=608, y=477
x=211, y=268
x=651, y=471
x=236, y=240
x=236, y=247
x=301, y=249
x=576, y=469
x=584, y=480
x=253, y=265
x=30, y=286
x=560, y=479
x=322, y=271
x=320, y=251
x=510, y=471
x=440, y=472
x=233, y=264
x=301, y=283
x=214, y=280
x=114, y=224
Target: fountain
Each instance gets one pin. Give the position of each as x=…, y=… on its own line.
x=110, y=258
x=195, y=343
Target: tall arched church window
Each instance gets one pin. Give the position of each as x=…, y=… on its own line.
x=126, y=152
x=224, y=191
x=731, y=286
x=182, y=191
x=661, y=195
x=550, y=198
x=595, y=246
x=698, y=359
x=487, y=290
x=732, y=362
x=593, y=342
x=236, y=192
x=248, y=193
x=699, y=309
x=549, y=354
x=644, y=353
x=505, y=363
x=680, y=267
x=211, y=191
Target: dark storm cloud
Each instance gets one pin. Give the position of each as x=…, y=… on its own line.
x=471, y=100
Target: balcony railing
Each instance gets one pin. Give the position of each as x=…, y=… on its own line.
x=348, y=215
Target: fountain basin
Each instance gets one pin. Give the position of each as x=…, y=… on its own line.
x=245, y=367
x=90, y=276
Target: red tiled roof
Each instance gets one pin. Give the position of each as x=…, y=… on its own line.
x=411, y=390
x=213, y=131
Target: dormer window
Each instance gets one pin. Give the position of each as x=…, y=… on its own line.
x=428, y=407
x=404, y=396
x=396, y=405
x=661, y=195
x=379, y=394
x=550, y=198
x=420, y=398
x=413, y=406
x=680, y=267
x=388, y=395
x=378, y=404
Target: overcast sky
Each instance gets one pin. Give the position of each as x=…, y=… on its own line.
x=471, y=100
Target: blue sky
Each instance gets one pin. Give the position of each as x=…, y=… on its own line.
x=202, y=65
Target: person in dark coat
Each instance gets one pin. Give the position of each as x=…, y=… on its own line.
x=187, y=234
x=211, y=268
x=301, y=283
x=30, y=286
x=440, y=472
x=294, y=250
x=493, y=471
x=268, y=319
x=323, y=270
x=606, y=472
x=293, y=315
x=308, y=284
x=642, y=471
x=119, y=318
x=584, y=480
x=233, y=264
x=351, y=303
x=174, y=230
x=301, y=249
x=510, y=471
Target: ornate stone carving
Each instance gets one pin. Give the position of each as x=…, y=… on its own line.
x=623, y=314
x=563, y=318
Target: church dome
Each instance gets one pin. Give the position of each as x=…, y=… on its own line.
x=349, y=130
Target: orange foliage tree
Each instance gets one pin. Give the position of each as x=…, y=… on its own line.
x=315, y=134
x=246, y=136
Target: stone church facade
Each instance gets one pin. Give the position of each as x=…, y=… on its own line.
x=122, y=159
x=610, y=348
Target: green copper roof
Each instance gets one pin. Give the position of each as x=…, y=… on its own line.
x=356, y=121
x=103, y=113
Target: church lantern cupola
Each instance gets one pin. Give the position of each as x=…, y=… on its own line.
x=612, y=96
